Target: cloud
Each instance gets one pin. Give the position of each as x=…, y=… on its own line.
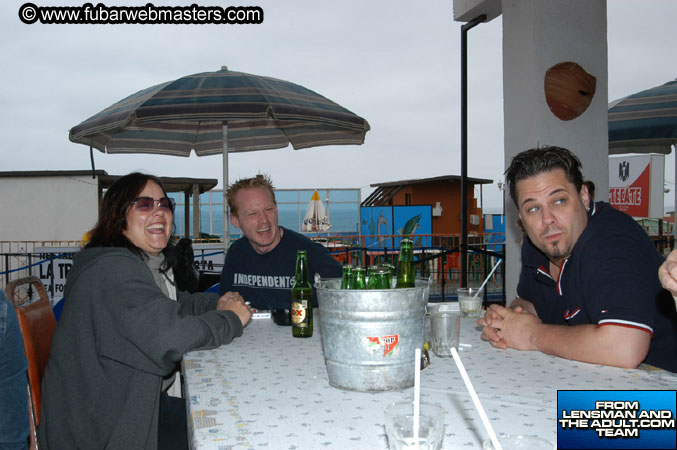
x=394, y=62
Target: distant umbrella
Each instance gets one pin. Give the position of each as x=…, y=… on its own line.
x=645, y=122
x=219, y=113
x=316, y=219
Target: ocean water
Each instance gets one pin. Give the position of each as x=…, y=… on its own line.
x=343, y=210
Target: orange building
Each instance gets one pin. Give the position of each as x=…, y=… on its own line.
x=442, y=193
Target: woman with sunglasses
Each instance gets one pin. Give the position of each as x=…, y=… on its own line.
x=124, y=330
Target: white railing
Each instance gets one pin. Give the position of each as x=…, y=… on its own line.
x=20, y=259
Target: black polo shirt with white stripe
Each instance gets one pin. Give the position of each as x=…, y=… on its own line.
x=610, y=279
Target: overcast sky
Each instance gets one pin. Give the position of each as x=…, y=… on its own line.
x=393, y=64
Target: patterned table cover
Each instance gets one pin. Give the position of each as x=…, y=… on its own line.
x=268, y=390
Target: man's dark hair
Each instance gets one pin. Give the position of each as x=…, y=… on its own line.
x=535, y=161
x=591, y=189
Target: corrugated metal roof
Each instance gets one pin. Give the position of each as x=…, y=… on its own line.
x=386, y=191
x=445, y=178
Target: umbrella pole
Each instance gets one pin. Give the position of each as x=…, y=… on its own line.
x=226, y=226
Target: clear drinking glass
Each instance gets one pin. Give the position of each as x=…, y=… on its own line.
x=470, y=300
x=446, y=332
x=399, y=418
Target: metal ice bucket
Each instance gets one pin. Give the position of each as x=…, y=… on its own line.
x=370, y=336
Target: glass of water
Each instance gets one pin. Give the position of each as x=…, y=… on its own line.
x=470, y=301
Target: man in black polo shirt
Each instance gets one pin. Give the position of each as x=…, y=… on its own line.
x=588, y=289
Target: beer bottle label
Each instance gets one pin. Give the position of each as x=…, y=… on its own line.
x=299, y=316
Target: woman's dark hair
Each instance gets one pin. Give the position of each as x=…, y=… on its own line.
x=119, y=197
x=530, y=163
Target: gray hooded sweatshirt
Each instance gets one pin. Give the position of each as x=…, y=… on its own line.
x=117, y=337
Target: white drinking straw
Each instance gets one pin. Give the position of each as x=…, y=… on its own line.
x=417, y=392
x=487, y=279
x=476, y=399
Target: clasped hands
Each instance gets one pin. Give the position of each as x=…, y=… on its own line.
x=233, y=301
x=510, y=328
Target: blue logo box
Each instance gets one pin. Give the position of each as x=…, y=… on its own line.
x=616, y=419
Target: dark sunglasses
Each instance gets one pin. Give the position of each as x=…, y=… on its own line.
x=148, y=203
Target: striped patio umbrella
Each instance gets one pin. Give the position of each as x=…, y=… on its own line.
x=219, y=113
x=645, y=122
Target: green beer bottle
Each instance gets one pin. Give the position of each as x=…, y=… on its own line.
x=406, y=271
x=302, y=299
x=359, y=278
x=347, y=277
x=379, y=277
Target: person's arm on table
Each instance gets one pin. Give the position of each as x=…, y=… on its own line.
x=232, y=301
x=610, y=345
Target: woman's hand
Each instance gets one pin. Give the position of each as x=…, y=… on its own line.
x=667, y=273
x=233, y=301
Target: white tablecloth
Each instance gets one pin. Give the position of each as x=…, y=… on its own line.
x=270, y=390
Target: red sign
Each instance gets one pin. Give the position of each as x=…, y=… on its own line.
x=632, y=198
